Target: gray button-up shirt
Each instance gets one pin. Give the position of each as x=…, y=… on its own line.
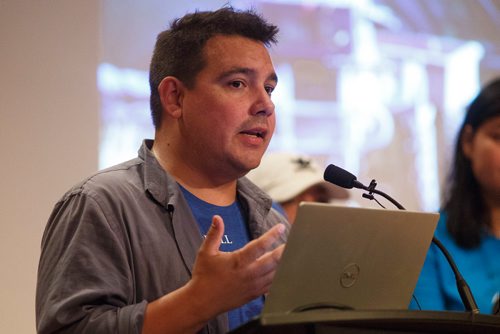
x=120, y=239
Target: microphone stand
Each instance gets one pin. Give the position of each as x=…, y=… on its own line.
x=371, y=190
x=462, y=286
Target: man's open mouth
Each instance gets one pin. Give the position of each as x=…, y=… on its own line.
x=256, y=133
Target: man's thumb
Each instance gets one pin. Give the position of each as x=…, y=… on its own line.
x=214, y=235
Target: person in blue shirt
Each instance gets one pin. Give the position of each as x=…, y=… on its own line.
x=469, y=226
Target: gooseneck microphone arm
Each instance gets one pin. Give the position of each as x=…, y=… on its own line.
x=371, y=190
x=343, y=178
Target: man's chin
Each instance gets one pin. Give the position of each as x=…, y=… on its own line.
x=247, y=165
x=246, y=160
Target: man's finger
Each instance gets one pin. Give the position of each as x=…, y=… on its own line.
x=269, y=261
x=214, y=236
x=258, y=247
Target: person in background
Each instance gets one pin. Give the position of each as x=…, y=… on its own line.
x=469, y=226
x=176, y=240
x=290, y=178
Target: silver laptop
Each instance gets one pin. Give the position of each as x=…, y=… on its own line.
x=350, y=259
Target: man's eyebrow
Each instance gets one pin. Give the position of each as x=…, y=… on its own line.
x=247, y=71
x=273, y=77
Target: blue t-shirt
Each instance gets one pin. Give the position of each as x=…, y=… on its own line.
x=280, y=209
x=236, y=235
x=436, y=288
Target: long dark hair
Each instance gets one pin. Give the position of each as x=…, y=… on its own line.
x=467, y=212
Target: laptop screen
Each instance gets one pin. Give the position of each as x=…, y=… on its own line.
x=350, y=258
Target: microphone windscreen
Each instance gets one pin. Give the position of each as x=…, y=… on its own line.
x=339, y=176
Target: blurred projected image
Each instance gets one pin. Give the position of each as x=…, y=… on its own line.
x=377, y=87
x=125, y=114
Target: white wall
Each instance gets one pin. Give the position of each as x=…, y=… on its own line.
x=49, y=50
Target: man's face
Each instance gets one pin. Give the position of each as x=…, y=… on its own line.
x=228, y=116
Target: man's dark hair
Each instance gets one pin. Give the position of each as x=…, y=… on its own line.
x=179, y=50
x=467, y=213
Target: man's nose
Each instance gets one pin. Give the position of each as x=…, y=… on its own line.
x=263, y=105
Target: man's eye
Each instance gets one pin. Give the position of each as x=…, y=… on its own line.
x=269, y=90
x=236, y=84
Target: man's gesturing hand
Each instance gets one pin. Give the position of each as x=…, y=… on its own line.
x=226, y=280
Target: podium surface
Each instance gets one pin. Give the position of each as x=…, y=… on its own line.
x=398, y=321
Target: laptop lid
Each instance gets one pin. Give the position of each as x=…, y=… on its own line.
x=350, y=258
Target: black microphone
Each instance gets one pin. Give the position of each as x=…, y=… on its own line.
x=343, y=178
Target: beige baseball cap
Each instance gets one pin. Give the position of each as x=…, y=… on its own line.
x=284, y=175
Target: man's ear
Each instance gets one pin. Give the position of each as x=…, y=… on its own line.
x=466, y=140
x=171, y=91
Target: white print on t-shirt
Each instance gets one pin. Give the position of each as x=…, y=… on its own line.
x=225, y=240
